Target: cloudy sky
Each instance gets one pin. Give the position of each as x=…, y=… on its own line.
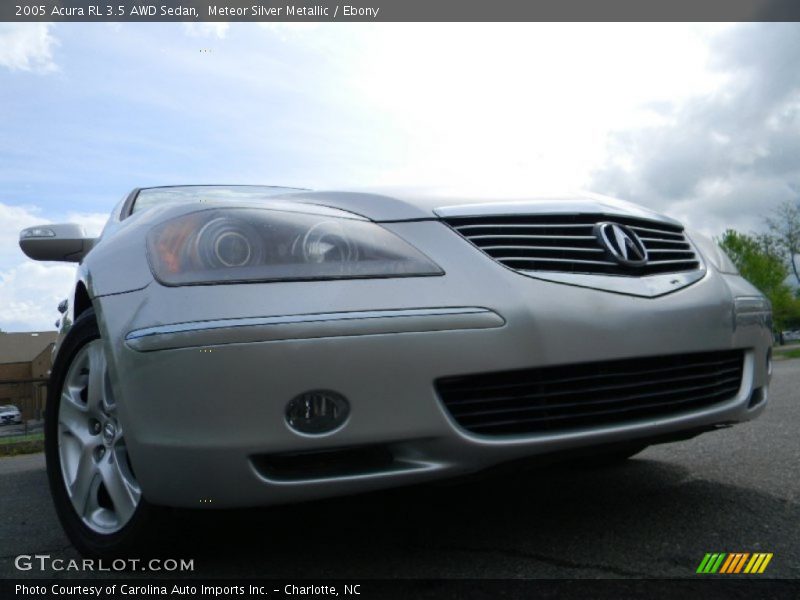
x=699, y=121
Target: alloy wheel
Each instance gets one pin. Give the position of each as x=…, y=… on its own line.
x=95, y=467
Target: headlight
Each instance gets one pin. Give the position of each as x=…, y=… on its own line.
x=714, y=254
x=242, y=244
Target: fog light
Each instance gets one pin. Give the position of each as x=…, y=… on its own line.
x=752, y=310
x=318, y=411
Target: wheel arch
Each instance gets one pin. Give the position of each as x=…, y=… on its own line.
x=82, y=302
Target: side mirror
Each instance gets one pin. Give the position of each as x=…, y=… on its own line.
x=66, y=242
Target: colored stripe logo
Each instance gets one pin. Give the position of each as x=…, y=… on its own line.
x=734, y=563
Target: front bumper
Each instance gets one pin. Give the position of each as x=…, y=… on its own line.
x=203, y=404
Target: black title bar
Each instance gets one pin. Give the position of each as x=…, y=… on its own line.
x=399, y=10
x=402, y=589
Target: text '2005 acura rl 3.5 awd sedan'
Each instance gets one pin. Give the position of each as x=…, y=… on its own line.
x=233, y=346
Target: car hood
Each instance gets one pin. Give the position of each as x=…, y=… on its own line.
x=410, y=204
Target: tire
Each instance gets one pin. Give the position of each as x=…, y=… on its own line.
x=84, y=444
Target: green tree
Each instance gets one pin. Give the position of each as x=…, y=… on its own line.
x=763, y=265
x=784, y=229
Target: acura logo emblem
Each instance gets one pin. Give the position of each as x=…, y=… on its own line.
x=623, y=244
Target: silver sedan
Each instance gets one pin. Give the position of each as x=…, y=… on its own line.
x=233, y=346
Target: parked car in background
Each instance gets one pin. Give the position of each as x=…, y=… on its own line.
x=10, y=415
x=234, y=346
x=791, y=336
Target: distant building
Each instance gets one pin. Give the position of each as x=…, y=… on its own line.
x=24, y=368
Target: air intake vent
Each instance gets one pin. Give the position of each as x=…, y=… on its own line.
x=581, y=396
x=567, y=243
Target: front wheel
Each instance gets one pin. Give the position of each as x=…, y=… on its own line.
x=93, y=484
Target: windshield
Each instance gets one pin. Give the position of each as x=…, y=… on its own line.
x=149, y=197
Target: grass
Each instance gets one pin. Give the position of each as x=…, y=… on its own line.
x=31, y=437
x=790, y=353
x=21, y=444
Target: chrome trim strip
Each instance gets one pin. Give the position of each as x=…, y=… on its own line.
x=398, y=469
x=649, y=286
x=307, y=318
x=606, y=207
x=306, y=326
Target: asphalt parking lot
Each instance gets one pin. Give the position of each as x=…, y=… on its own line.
x=736, y=490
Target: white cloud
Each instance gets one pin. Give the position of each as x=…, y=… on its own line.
x=93, y=223
x=27, y=47
x=12, y=220
x=30, y=291
x=724, y=159
x=285, y=30
x=523, y=103
x=217, y=30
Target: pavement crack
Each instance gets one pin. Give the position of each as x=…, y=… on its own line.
x=551, y=560
x=37, y=552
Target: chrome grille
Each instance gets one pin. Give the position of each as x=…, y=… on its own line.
x=567, y=243
x=568, y=397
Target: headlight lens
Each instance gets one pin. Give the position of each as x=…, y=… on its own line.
x=241, y=245
x=714, y=254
